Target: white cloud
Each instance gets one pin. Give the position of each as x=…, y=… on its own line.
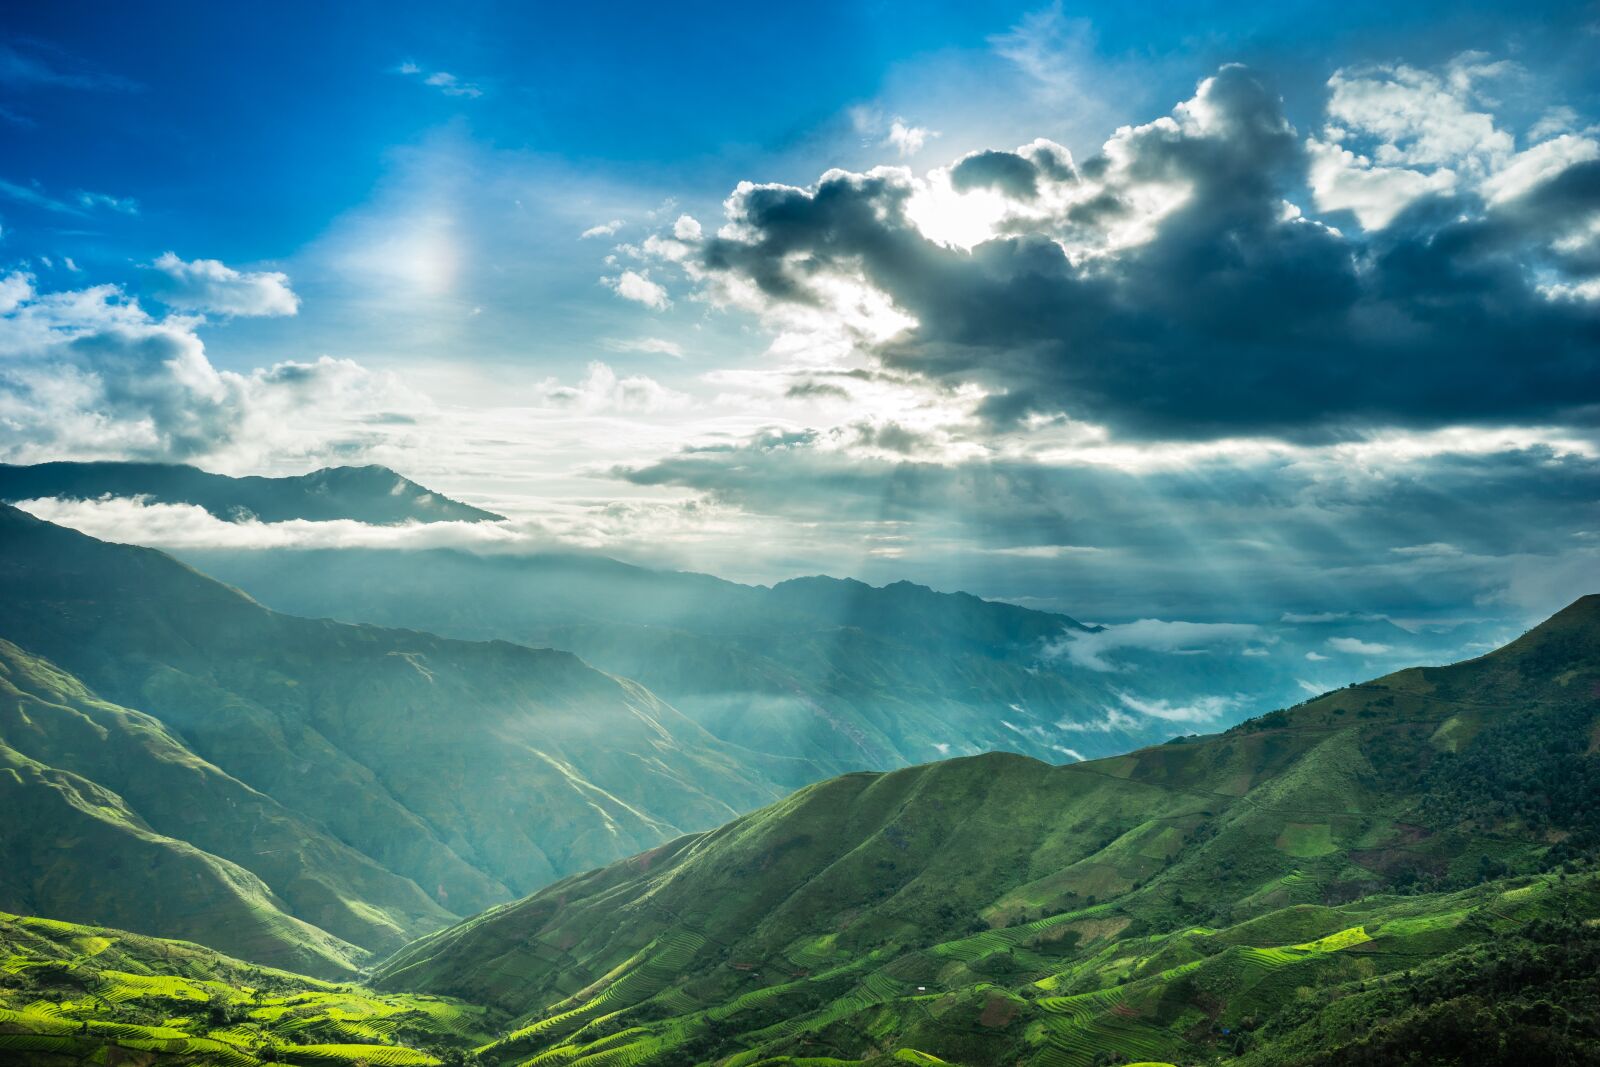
x=124, y=205
x=603, y=229
x=1315, y=657
x=907, y=140
x=1538, y=164
x=637, y=286
x=132, y=520
x=1356, y=647
x=657, y=345
x=1115, y=719
x=1343, y=181
x=1199, y=709
x=687, y=228
x=210, y=286
x=601, y=389
x=1423, y=132
x=90, y=374
x=1094, y=650
x=447, y=83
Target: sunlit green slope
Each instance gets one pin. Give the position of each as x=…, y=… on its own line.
x=1167, y=905
x=73, y=994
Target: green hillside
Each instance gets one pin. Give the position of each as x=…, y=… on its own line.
x=72, y=994
x=473, y=771
x=1176, y=904
x=366, y=494
x=101, y=799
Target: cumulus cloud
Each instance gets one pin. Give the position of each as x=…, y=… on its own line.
x=637, y=286
x=1167, y=287
x=211, y=287
x=90, y=374
x=601, y=389
x=603, y=229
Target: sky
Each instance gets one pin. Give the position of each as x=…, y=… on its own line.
x=1187, y=312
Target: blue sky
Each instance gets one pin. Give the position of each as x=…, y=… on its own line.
x=1247, y=334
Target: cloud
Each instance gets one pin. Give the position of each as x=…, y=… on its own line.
x=687, y=229
x=124, y=205
x=907, y=140
x=1093, y=650
x=603, y=229
x=1200, y=709
x=1355, y=647
x=210, y=286
x=601, y=389
x=637, y=286
x=442, y=80
x=135, y=521
x=1315, y=657
x=1167, y=288
x=656, y=345
x=90, y=374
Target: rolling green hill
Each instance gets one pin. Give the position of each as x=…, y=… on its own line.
x=1176, y=904
x=366, y=494
x=471, y=771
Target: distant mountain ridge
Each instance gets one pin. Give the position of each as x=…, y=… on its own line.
x=847, y=675
x=370, y=494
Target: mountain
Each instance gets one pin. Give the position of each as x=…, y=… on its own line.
x=847, y=675
x=365, y=494
x=1291, y=890
x=412, y=777
x=100, y=798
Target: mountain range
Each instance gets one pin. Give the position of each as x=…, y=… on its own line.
x=1401, y=871
x=403, y=848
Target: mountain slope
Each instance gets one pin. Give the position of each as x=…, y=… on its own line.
x=475, y=770
x=366, y=494
x=234, y=867
x=993, y=909
x=76, y=994
x=849, y=676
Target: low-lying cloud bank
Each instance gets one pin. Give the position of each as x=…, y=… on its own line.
x=130, y=520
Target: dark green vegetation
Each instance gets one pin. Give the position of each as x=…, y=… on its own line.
x=366, y=494
x=74, y=994
x=346, y=787
x=1302, y=888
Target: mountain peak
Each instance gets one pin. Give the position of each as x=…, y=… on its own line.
x=372, y=493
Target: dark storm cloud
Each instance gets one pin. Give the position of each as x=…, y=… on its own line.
x=1235, y=315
